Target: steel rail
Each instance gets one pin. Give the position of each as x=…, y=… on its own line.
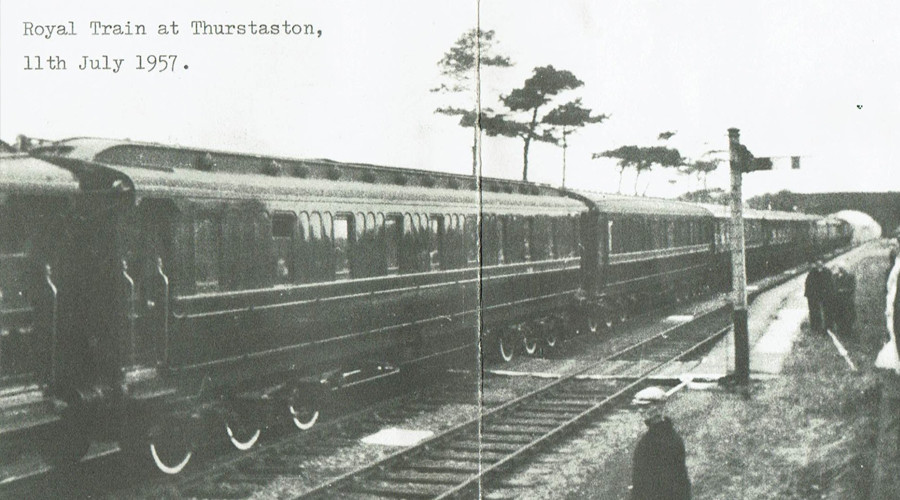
x=606, y=404
x=453, y=432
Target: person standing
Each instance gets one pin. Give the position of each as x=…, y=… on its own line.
x=844, y=313
x=887, y=364
x=818, y=291
x=659, y=470
x=892, y=255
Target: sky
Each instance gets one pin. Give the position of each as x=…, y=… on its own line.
x=816, y=79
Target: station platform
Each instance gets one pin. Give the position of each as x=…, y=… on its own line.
x=775, y=318
x=774, y=322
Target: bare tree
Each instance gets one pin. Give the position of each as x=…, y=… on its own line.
x=627, y=156
x=642, y=159
x=473, y=50
x=702, y=169
x=665, y=136
x=537, y=91
x=567, y=118
x=658, y=155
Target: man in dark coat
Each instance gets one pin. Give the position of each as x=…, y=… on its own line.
x=844, y=313
x=659, y=471
x=818, y=295
x=895, y=248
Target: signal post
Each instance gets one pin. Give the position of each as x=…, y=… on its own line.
x=738, y=262
x=741, y=161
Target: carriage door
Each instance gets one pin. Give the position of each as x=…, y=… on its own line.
x=86, y=347
x=151, y=271
x=31, y=231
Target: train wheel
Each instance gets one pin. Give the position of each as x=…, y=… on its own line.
x=170, y=447
x=607, y=318
x=303, y=415
x=593, y=322
x=550, y=337
x=241, y=432
x=506, y=345
x=303, y=418
x=621, y=313
x=529, y=341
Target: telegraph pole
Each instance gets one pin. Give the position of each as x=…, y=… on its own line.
x=738, y=268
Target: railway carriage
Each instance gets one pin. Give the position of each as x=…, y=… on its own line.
x=643, y=250
x=210, y=289
x=146, y=288
x=831, y=233
x=774, y=240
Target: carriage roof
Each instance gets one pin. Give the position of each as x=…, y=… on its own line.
x=165, y=157
x=22, y=173
x=639, y=205
x=724, y=212
x=157, y=170
x=196, y=184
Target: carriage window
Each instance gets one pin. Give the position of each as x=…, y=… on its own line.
x=529, y=237
x=452, y=247
x=304, y=227
x=470, y=229
x=283, y=225
x=564, y=236
x=489, y=239
x=539, y=240
x=515, y=239
x=371, y=227
x=393, y=234
x=609, y=237
x=343, y=231
x=679, y=233
x=207, y=252
x=407, y=243
x=654, y=233
x=315, y=226
x=359, y=225
x=502, y=235
x=435, y=245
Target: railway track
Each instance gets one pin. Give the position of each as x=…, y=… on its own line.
x=461, y=459
x=228, y=473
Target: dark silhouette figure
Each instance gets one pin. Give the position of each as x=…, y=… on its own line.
x=818, y=295
x=892, y=255
x=844, y=310
x=659, y=471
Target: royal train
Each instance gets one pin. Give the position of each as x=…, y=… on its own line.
x=148, y=288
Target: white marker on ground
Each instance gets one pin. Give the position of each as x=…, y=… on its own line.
x=397, y=437
x=680, y=318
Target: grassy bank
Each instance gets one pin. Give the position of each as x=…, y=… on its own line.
x=811, y=432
